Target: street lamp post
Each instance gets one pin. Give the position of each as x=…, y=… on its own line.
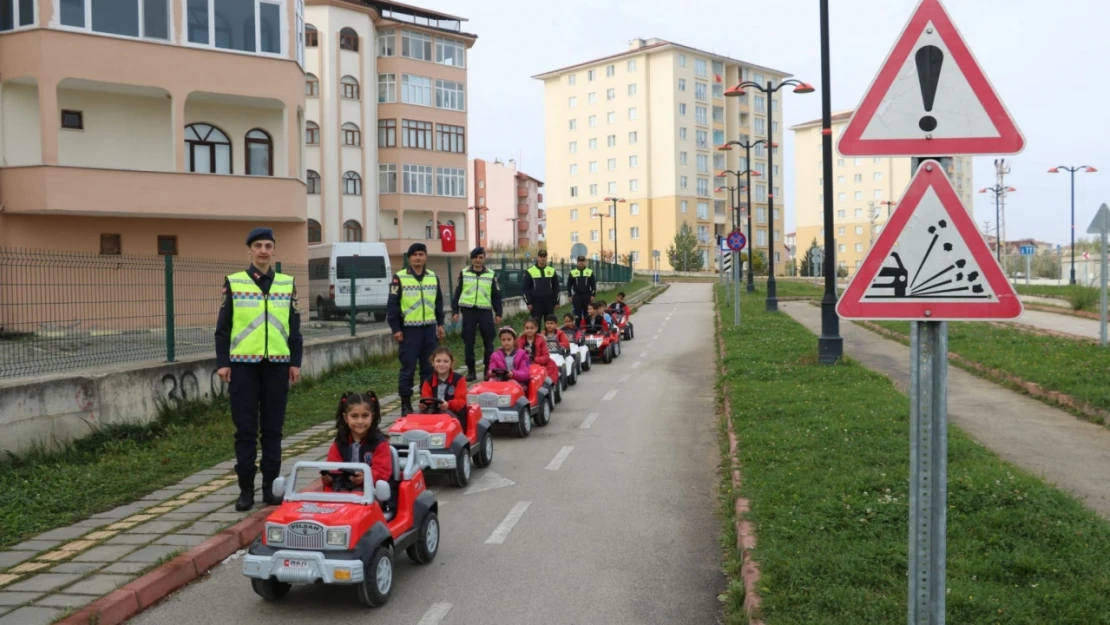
x=616, y=234
x=830, y=345
x=769, y=90
x=516, y=240
x=999, y=191
x=748, y=145
x=1072, y=170
x=478, y=210
x=601, y=237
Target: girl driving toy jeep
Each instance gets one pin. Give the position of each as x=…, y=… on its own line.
x=358, y=439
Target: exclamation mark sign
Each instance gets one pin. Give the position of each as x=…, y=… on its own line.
x=929, y=61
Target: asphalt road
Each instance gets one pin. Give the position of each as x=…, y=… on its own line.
x=614, y=504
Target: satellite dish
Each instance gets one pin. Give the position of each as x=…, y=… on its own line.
x=578, y=249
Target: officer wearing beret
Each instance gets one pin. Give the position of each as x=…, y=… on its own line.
x=258, y=355
x=477, y=294
x=415, y=315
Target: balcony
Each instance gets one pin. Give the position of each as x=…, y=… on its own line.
x=523, y=208
x=539, y=198
x=399, y=247
x=522, y=191
x=522, y=225
x=541, y=214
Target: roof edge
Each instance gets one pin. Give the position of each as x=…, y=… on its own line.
x=659, y=46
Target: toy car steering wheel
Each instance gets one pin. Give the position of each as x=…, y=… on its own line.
x=430, y=404
x=501, y=374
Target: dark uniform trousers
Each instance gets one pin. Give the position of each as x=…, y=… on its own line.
x=482, y=320
x=258, y=393
x=580, y=302
x=417, y=344
x=543, y=308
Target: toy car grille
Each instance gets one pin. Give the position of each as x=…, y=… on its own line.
x=487, y=400
x=313, y=541
x=594, y=341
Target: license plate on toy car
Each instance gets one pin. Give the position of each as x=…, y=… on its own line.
x=296, y=564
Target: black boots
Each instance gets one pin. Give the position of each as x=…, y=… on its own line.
x=246, y=494
x=470, y=375
x=406, y=405
x=268, y=495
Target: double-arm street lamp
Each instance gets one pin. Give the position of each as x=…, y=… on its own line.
x=749, y=172
x=1072, y=170
x=616, y=233
x=769, y=90
x=999, y=191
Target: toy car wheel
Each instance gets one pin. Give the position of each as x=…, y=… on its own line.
x=608, y=356
x=631, y=332
x=564, y=379
x=557, y=391
x=270, y=589
x=616, y=349
x=572, y=379
x=588, y=361
x=544, y=417
x=461, y=475
x=426, y=547
x=485, y=451
x=524, y=423
x=377, y=583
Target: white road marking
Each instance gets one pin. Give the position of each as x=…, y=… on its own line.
x=502, y=532
x=435, y=614
x=490, y=480
x=625, y=378
x=636, y=364
x=643, y=354
x=610, y=395
x=590, y=418
x=559, y=458
x=655, y=337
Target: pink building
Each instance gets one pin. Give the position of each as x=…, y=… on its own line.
x=507, y=202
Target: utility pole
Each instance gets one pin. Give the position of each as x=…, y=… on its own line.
x=873, y=217
x=1001, y=169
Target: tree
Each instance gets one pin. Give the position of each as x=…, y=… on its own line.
x=759, y=262
x=683, y=254
x=809, y=269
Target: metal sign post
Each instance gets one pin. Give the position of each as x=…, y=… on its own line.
x=1101, y=227
x=736, y=242
x=1028, y=251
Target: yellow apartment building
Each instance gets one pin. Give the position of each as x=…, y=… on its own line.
x=643, y=125
x=867, y=190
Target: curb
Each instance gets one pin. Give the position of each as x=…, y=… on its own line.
x=1060, y=310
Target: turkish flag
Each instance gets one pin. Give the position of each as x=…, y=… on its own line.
x=718, y=77
x=447, y=237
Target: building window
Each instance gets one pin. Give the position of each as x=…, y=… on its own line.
x=593, y=168
x=760, y=128
x=574, y=214
x=634, y=209
x=167, y=245
x=702, y=163
x=416, y=134
x=574, y=191
x=572, y=79
x=311, y=85
x=858, y=213
x=591, y=75
x=449, y=95
x=633, y=161
x=593, y=190
x=610, y=94
x=611, y=140
x=387, y=42
x=573, y=124
x=700, y=68
x=702, y=139
x=573, y=147
x=634, y=185
x=682, y=109
x=632, y=65
x=313, y=182
x=701, y=115
x=387, y=178
x=260, y=153
x=632, y=113
x=858, y=195
x=416, y=90
x=312, y=133
x=703, y=187
x=857, y=178
x=594, y=235
x=110, y=244
x=877, y=176
x=450, y=182
x=72, y=120
x=682, y=84
x=632, y=137
x=841, y=213
x=700, y=91
x=612, y=164
x=416, y=45
x=683, y=158
x=314, y=233
x=631, y=89
x=682, y=60
x=350, y=87
x=352, y=184
x=387, y=133
x=451, y=138
x=352, y=231
x=572, y=102
x=417, y=179
x=311, y=36
x=610, y=70
x=612, y=187
x=351, y=135
x=387, y=88
x=450, y=52
x=592, y=144
x=611, y=117
x=149, y=19
x=683, y=206
x=574, y=237
x=591, y=121
x=348, y=40
x=208, y=149
x=574, y=169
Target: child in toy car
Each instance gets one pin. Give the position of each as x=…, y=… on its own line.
x=509, y=358
x=536, y=347
x=569, y=328
x=595, y=317
x=358, y=439
x=446, y=385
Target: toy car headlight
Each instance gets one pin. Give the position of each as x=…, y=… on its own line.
x=337, y=537
x=396, y=438
x=275, y=534
x=504, y=400
x=436, y=441
x=472, y=400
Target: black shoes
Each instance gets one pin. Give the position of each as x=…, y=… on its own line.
x=470, y=375
x=246, y=494
x=268, y=495
x=406, y=406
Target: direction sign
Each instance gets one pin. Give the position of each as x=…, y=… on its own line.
x=723, y=244
x=1101, y=222
x=930, y=263
x=737, y=241
x=930, y=98
x=1028, y=250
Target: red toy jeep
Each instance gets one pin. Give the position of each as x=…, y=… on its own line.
x=348, y=538
x=602, y=344
x=449, y=448
x=623, y=323
x=502, y=400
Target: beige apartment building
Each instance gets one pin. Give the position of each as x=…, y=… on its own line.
x=413, y=178
x=867, y=190
x=643, y=125
x=151, y=127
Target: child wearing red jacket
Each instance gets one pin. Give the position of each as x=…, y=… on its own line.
x=358, y=439
x=446, y=385
x=536, y=347
x=596, y=317
x=553, y=334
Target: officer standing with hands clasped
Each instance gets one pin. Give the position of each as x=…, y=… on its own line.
x=581, y=287
x=479, y=297
x=415, y=315
x=258, y=355
x=541, y=288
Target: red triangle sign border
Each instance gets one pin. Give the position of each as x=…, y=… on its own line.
x=929, y=175
x=1010, y=139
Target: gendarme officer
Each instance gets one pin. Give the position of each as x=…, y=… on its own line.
x=581, y=288
x=415, y=315
x=258, y=355
x=479, y=297
x=541, y=288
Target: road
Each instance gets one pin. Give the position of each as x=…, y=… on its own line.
x=1078, y=326
x=615, y=504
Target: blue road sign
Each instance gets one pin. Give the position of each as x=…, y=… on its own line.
x=737, y=241
x=1028, y=250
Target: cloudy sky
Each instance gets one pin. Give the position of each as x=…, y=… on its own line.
x=1048, y=62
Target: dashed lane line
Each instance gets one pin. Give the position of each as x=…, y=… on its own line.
x=559, y=458
x=502, y=532
x=610, y=395
x=435, y=614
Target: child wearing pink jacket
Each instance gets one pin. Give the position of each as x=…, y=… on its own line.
x=511, y=359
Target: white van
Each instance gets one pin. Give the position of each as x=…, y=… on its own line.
x=330, y=268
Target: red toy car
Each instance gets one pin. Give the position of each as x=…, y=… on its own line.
x=347, y=538
x=449, y=448
x=502, y=400
x=602, y=344
x=623, y=324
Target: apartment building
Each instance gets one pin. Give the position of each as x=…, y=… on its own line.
x=400, y=188
x=867, y=190
x=643, y=125
x=151, y=127
x=505, y=203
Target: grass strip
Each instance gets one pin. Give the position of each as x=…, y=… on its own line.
x=1078, y=296
x=43, y=490
x=824, y=462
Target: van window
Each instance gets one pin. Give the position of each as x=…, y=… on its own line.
x=360, y=267
x=318, y=269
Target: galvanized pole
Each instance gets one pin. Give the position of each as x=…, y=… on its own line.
x=1102, y=307
x=1028, y=263
x=736, y=291
x=726, y=283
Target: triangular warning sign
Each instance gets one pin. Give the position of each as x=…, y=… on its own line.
x=929, y=262
x=930, y=98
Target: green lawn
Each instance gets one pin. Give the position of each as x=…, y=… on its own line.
x=121, y=464
x=1080, y=297
x=1077, y=368
x=824, y=460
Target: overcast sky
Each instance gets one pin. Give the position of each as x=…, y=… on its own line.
x=1048, y=63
